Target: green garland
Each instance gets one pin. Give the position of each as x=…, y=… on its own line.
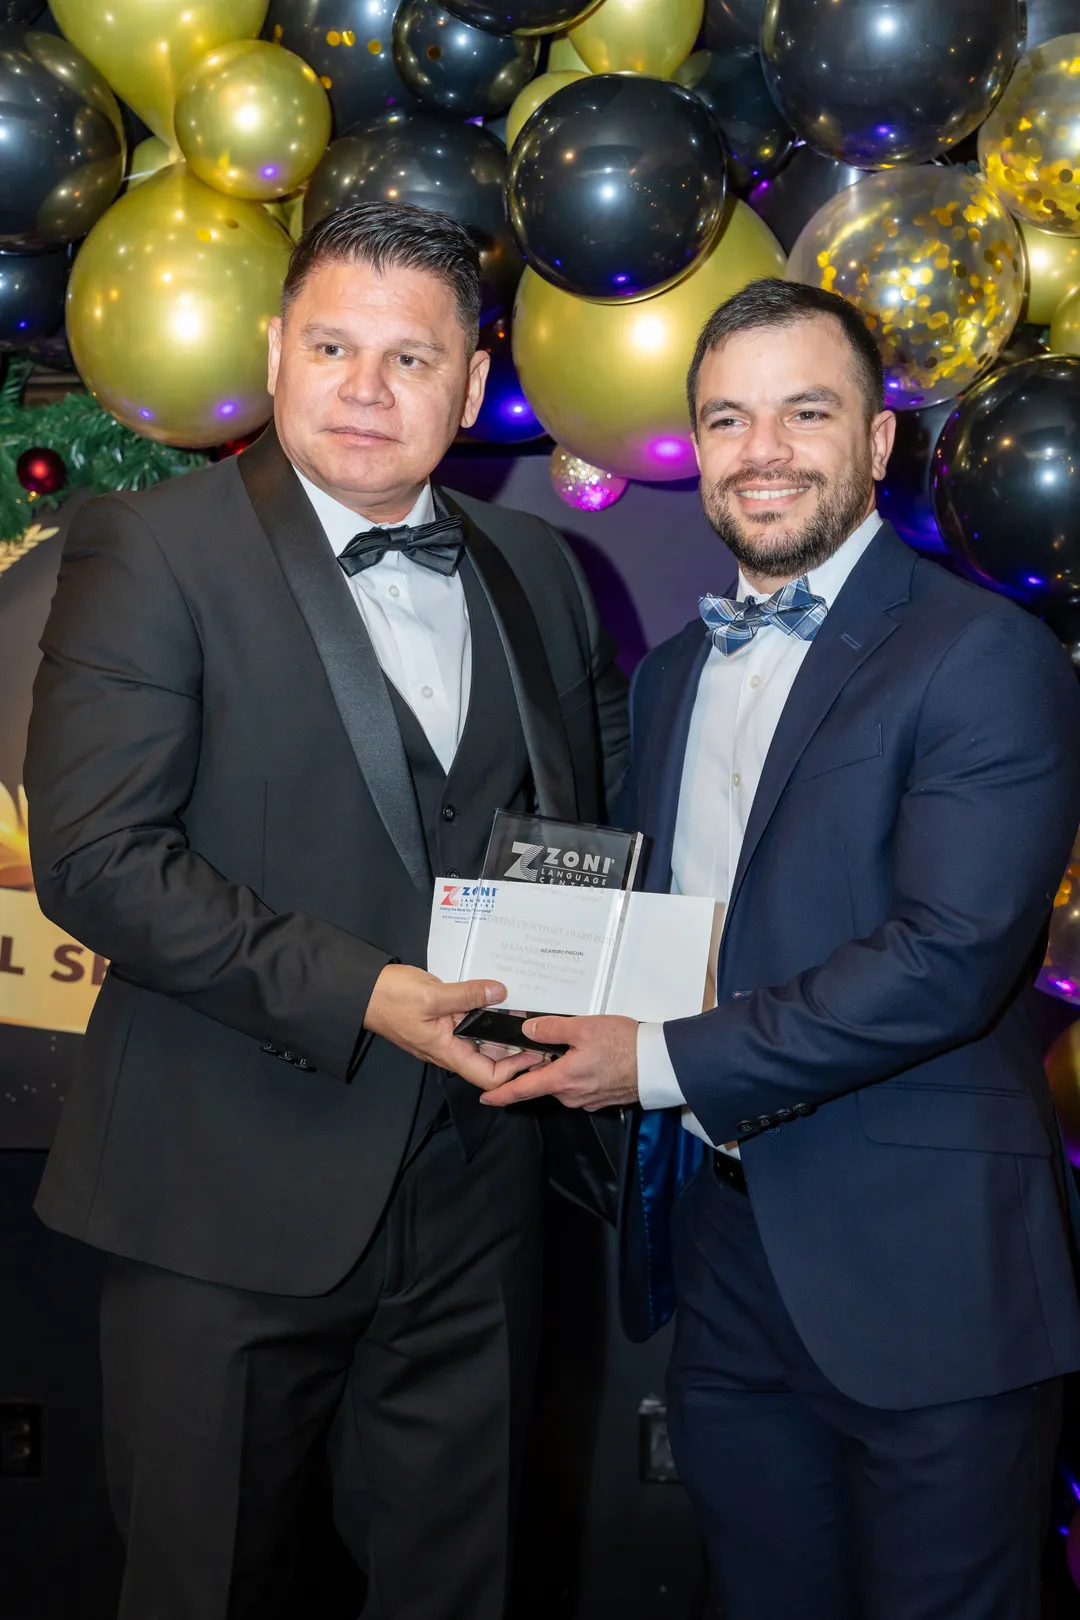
x=98, y=452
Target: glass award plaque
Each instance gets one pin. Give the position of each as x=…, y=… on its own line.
x=549, y=923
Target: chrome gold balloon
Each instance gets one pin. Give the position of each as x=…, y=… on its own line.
x=934, y=264
x=637, y=36
x=148, y=157
x=563, y=58
x=1029, y=147
x=1065, y=326
x=534, y=95
x=168, y=307
x=145, y=47
x=252, y=119
x=1063, y=1073
x=1053, y=272
x=608, y=381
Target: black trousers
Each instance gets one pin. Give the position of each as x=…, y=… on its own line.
x=415, y=1374
x=815, y=1506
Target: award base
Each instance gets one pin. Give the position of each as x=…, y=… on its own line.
x=503, y=1028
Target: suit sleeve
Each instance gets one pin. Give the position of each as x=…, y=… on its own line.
x=982, y=836
x=113, y=752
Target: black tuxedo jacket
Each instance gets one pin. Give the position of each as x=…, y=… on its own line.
x=222, y=806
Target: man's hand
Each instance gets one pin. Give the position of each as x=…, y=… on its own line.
x=599, y=1071
x=419, y=1013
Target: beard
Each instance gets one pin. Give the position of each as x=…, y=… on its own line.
x=842, y=505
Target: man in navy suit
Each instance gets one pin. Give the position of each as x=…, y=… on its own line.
x=875, y=769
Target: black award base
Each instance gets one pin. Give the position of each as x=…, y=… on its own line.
x=502, y=1028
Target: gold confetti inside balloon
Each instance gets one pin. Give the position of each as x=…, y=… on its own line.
x=148, y=157
x=1029, y=147
x=534, y=95
x=1053, y=267
x=144, y=47
x=168, y=307
x=933, y=261
x=252, y=119
x=637, y=36
x=608, y=381
x=587, y=488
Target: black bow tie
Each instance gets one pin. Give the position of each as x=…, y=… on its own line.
x=435, y=545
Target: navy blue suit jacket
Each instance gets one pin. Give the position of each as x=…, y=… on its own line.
x=872, y=1046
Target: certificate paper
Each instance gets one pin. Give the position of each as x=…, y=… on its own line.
x=551, y=946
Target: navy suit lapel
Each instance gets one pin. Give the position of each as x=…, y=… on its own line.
x=352, y=669
x=674, y=710
x=856, y=625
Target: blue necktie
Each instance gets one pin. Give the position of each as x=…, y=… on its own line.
x=794, y=609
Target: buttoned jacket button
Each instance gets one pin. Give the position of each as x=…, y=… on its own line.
x=764, y=1122
x=784, y=1114
x=448, y=812
x=804, y=1109
x=745, y=1126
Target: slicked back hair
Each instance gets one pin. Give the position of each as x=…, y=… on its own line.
x=393, y=236
x=772, y=303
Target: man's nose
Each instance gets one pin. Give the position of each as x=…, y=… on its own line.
x=365, y=383
x=766, y=444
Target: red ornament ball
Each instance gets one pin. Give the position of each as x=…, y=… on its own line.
x=41, y=472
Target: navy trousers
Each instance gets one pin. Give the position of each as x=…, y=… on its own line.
x=816, y=1506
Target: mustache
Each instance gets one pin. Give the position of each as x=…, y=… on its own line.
x=794, y=478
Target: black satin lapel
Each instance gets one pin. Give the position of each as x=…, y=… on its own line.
x=530, y=672
x=341, y=640
x=855, y=626
x=674, y=710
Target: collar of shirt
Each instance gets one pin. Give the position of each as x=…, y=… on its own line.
x=341, y=524
x=827, y=580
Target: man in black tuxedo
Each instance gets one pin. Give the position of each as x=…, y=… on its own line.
x=276, y=699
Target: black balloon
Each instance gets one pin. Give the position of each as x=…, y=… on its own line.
x=790, y=201
x=520, y=16
x=61, y=141
x=1006, y=481
x=733, y=22
x=52, y=352
x=434, y=162
x=904, y=493
x=455, y=68
x=732, y=86
x=872, y=82
x=32, y=287
x=1046, y=19
x=506, y=417
x=21, y=11
x=617, y=185
x=349, y=43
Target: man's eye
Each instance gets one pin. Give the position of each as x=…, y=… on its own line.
x=810, y=416
x=409, y=361
x=724, y=422
x=331, y=350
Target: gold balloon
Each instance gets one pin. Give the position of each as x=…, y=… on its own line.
x=562, y=57
x=1063, y=1073
x=933, y=262
x=608, y=381
x=1053, y=264
x=1065, y=326
x=582, y=486
x=148, y=157
x=145, y=47
x=168, y=306
x=252, y=119
x=1029, y=147
x=534, y=95
x=638, y=36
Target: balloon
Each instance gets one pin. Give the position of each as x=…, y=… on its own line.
x=586, y=488
x=1006, y=480
x=61, y=141
x=168, y=307
x=617, y=185
x=252, y=119
x=903, y=495
x=1053, y=264
x=1046, y=19
x=872, y=82
x=1063, y=1073
x=52, y=352
x=534, y=95
x=145, y=47
x=520, y=16
x=562, y=58
x=435, y=162
x=506, y=417
x=935, y=265
x=638, y=36
x=456, y=68
x=1029, y=146
x=349, y=44
x=21, y=11
x=1065, y=326
x=148, y=157
x=733, y=22
x=608, y=381
x=731, y=85
x=31, y=296
x=790, y=201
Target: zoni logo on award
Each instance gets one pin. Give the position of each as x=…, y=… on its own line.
x=558, y=865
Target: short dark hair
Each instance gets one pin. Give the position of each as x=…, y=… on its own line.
x=773, y=302
x=393, y=236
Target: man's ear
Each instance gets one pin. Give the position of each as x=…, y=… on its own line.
x=882, y=438
x=479, y=366
x=697, y=450
x=274, y=356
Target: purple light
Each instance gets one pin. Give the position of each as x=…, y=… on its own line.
x=1066, y=986
x=227, y=408
x=269, y=171
x=668, y=449
x=621, y=280
x=1033, y=579
x=147, y=416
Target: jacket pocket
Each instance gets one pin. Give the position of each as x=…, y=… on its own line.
x=935, y=1117
x=860, y=743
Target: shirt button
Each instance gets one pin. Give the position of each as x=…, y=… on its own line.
x=755, y=682
x=448, y=812
x=394, y=591
x=426, y=691
x=735, y=778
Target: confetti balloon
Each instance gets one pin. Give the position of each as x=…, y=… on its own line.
x=455, y=68
x=168, y=308
x=534, y=95
x=1060, y=977
x=588, y=489
x=637, y=36
x=252, y=119
x=1053, y=266
x=934, y=264
x=608, y=381
x=349, y=43
x=1029, y=146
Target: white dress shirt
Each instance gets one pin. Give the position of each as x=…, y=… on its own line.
x=740, y=699
x=417, y=619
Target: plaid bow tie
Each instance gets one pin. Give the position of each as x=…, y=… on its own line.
x=435, y=545
x=794, y=609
